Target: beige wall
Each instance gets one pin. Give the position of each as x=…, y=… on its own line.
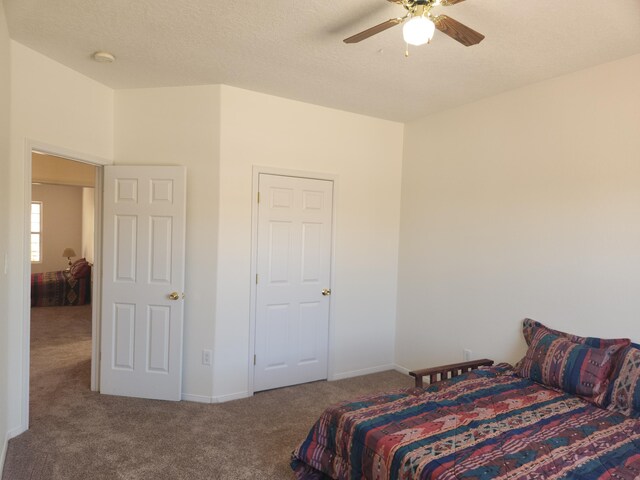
x=5, y=90
x=88, y=224
x=59, y=171
x=61, y=224
x=366, y=156
x=52, y=105
x=52, y=170
x=181, y=126
x=523, y=204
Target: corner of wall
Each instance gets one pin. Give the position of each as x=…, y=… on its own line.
x=3, y=453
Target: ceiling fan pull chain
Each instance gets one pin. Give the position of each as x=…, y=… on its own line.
x=406, y=50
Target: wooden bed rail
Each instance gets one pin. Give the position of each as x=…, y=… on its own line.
x=445, y=372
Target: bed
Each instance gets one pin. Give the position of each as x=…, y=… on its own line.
x=62, y=288
x=570, y=409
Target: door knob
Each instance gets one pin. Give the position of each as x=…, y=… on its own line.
x=174, y=296
x=326, y=292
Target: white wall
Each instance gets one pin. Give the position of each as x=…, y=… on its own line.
x=523, y=204
x=219, y=133
x=181, y=126
x=366, y=155
x=61, y=225
x=5, y=99
x=56, y=106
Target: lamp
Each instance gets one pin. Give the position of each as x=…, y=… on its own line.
x=68, y=252
x=418, y=30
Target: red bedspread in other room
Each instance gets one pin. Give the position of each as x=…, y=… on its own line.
x=60, y=288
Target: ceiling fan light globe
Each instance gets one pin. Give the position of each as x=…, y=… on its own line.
x=418, y=30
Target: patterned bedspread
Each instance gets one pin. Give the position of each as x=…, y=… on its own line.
x=486, y=424
x=59, y=288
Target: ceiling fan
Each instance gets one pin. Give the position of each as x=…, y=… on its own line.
x=421, y=24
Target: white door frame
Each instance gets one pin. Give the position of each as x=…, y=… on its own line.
x=35, y=145
x=257, y=170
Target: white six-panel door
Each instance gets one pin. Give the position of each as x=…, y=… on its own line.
x=294, y=268
x=143, y=281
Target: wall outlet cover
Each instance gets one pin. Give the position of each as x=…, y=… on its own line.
x=206, y=357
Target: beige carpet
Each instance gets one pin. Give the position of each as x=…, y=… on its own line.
x=79, y=434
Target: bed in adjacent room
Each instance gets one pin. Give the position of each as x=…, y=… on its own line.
x=63, y=287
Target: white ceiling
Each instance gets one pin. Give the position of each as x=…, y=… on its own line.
x=294, y=48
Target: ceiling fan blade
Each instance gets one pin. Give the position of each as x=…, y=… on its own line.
x=448, y=3
x=369, y=32
x=457, y=31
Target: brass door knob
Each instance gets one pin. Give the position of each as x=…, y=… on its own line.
x=326, y=292
x=174, y=296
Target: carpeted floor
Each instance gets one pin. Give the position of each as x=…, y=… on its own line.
x=79, y=434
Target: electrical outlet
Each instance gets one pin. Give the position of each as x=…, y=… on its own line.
x=206, y=357
x=466, y=354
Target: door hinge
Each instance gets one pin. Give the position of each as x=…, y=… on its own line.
x=258, y=197
x=254, y=359
x=257, y=278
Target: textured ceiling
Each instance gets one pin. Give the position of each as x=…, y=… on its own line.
x=294, y=49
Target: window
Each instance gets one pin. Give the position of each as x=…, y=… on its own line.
x=36, y=231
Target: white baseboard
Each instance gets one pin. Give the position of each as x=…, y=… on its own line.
x=15, y=432
x=229, y=397
x=401, y=369
x=363, y=371
x=188, y=397
x=8, y=436
x=337, y=376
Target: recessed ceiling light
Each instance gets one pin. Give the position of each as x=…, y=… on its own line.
x=104, y=57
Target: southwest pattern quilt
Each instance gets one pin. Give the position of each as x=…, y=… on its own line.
x=486, y=424
x=625, y=391
x=60, y=288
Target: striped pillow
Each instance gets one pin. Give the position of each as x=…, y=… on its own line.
x=625, y=389
x=555, y=361
x=530, y=327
